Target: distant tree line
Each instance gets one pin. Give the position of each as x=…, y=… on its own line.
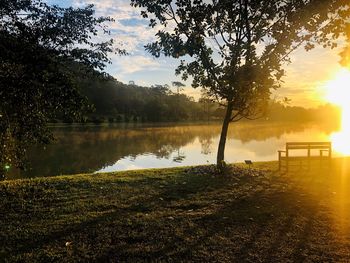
x=278, y=111
x=113, y=101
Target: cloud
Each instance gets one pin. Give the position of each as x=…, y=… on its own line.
x=132, y=64
x=129, y=28
x=132, y=22
x=131, y=32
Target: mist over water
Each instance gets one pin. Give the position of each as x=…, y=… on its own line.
x=88, y=149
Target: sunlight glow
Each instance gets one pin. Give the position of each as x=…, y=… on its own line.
x=338, y=92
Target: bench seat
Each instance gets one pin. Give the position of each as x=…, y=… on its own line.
x=325, y=152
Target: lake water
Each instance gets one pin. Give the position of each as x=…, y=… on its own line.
x=83, y=149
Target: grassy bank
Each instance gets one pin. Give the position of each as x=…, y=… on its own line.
x=179, y=214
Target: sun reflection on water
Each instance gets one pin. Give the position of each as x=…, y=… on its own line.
x=341, y=139
x=338, y=92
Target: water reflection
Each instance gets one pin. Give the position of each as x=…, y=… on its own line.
x=341, y=139
x=90, y=149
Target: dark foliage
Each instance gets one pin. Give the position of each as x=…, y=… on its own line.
x=39, y=45
x=118, y=102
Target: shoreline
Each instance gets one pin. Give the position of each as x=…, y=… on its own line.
x=140, y=170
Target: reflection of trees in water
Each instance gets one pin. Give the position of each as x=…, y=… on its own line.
x=206, y=139
x=261, y=131
x=87, y=149
x=179, y=157
x=206, y=145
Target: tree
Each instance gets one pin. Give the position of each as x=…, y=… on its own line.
x=42, y=49
x=235, y=49
x=178, y=85
x=207, y=104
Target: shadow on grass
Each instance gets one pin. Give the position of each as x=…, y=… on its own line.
x=202, y=218
x=245, y=229
x=260, y=227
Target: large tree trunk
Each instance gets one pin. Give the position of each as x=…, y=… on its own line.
x=222, y=142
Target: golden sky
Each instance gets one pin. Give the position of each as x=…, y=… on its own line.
x=307, y=75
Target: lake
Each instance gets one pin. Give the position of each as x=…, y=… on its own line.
x=82, y=149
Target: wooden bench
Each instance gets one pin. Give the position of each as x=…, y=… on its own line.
x=323, y=147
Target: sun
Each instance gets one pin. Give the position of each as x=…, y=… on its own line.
x=338, y=89
x=338, y=92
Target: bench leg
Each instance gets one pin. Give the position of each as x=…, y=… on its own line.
x=279, y=161
x=279, y=165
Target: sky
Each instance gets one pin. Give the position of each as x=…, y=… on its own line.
x=305, y=77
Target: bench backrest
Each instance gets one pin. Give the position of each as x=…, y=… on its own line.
x=308, y=145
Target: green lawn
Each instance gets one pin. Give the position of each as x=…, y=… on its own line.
x=180, y=214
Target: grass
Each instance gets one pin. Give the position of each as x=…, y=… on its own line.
x=179, y=214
